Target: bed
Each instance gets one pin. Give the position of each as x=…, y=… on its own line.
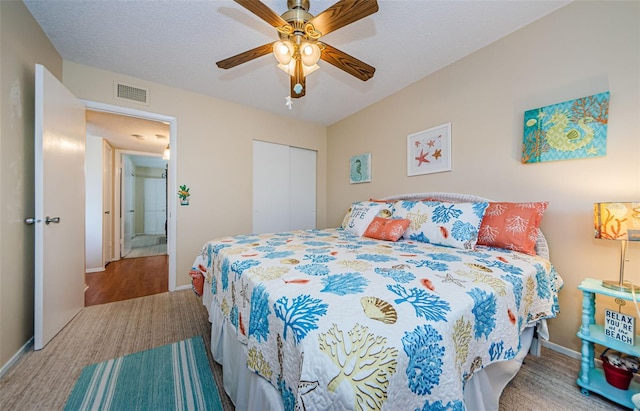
x=346, y=319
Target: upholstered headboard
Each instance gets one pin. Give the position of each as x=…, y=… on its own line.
x=542, y=248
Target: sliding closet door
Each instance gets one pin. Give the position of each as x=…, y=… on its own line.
x=302, y=189
x=284, y=188
x=270, y=187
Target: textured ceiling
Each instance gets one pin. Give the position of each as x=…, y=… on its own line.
x=177, y=43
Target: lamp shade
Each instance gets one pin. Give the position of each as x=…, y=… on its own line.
x=310, y=54
x=617, y=221
x=283, y=52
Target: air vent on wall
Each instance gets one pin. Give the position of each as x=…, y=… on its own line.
x=127, y=92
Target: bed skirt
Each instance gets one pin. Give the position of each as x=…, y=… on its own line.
x=249, y=391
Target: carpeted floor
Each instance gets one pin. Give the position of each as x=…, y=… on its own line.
x=548, y=383
x=42, y=380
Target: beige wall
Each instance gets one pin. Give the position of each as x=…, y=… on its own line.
x=582, y=49
x=23, y=44
x=214, y=154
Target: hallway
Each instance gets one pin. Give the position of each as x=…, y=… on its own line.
x=147, y=245
x=127, y=278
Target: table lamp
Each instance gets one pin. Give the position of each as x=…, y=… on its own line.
x=618, y=221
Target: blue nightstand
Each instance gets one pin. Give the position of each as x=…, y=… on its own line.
x=591, y=378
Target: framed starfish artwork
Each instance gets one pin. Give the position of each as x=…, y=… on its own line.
x=429, y=151
x=360, y=169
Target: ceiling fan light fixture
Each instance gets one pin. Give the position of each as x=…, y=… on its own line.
x=310, y=54
x=282, y=51
x=291, y=67
x=287, y=68
x=309, y=69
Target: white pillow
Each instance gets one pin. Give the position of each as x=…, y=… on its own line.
x=363, y=213
x=345, y=219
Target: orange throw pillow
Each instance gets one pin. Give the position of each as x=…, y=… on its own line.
x=513, y=226
x=197, y=282
x=387, y=229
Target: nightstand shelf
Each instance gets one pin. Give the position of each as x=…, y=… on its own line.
x=596, y=335
x=599, y=385
x=590, y=378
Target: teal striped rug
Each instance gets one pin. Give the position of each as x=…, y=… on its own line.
x=172, y=377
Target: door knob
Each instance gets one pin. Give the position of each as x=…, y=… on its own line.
x=31, y=220
x=48, y=220
x=107, y=212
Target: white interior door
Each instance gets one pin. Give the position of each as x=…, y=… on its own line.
x=155, y=194
x=59, y=206
x=270, y=187
x=302, y=188
x=107, y=203
x=284, y=188
x=128, y=215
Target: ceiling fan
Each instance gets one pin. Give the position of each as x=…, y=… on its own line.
x=299, y=48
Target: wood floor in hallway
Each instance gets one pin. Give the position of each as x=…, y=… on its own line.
x=127, y=278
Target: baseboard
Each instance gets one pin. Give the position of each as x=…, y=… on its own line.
x=5, y=368
x=94, y=270
x=562, y=350
x=183, y=287
x=575, y=354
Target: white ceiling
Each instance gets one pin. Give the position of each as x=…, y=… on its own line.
x=177, y=43
x=128, y=133
x=147, y=138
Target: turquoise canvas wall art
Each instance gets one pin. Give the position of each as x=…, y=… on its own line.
x=573, y=129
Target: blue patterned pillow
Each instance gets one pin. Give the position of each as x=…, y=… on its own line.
x=441, y=223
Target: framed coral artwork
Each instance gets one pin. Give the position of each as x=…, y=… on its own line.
x=573, y=129
x=429, y=151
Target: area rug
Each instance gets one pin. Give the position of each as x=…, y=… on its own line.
x=172, y=377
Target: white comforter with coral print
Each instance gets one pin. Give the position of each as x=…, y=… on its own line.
x=335, y=321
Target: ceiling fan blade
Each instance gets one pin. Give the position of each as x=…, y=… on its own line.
x=342, y=13
x=246, y=56
x=261, y=10
x=348, y=63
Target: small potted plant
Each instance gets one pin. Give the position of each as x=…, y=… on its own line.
x=184, y=194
